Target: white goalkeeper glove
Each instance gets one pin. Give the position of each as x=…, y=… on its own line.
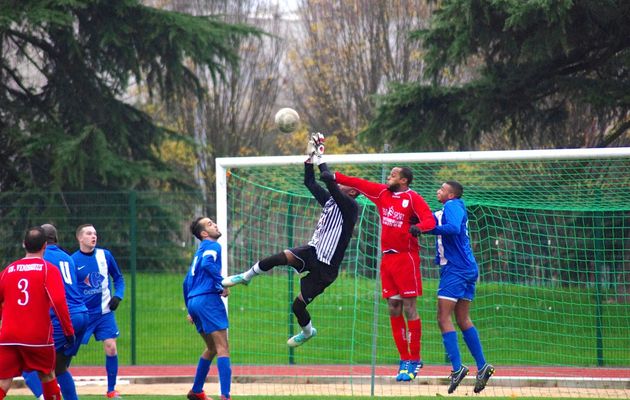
x=316, y=146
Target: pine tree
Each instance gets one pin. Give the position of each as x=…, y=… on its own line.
x=515, y=74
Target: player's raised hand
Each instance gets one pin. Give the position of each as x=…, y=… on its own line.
x=317, y=139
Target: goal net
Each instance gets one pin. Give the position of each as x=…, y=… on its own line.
x=550, y=230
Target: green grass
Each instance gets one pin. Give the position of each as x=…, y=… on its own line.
x=518, y=325
x=160, y=397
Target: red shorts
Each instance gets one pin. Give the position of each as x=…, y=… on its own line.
x=16, y=359
x=400, y=275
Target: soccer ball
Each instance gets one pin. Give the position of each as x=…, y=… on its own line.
x=287, y=120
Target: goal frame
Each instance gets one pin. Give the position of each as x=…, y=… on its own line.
x=224, y=163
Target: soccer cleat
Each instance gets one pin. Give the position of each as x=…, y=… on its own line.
x=300, y=339
x=412, y=369
x=482, y=377
x=113, y=395
x=403, y=375
x=197, y=396
x=225, y=398
x=456, y=378
x=234, y=280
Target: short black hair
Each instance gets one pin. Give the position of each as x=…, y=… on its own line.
x=51, y=233
x=34, y=239
x=196, y=228
x=406, y=172
x=458, y=189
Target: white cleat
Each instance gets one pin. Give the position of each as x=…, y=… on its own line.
x=300, y=339
x=234, y=280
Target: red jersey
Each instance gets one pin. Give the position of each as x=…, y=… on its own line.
x=28, y=289
x=396, y=210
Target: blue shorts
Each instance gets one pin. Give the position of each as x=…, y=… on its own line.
x=79, y=323
x=102, y=326
x=208, y=313
x=457, y=283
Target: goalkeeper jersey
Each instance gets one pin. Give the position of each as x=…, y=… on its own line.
x=336, y=223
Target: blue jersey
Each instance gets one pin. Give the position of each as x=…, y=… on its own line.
x=452, y=243
x=204, y=275
x=93, y=272
x=65, y=263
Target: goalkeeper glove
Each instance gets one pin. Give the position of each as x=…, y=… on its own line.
x=113, y=303
x=317, y=140
x=415, y=231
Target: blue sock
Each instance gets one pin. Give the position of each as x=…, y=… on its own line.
x=32, y=381
x=203, y=366
x=452, y=349
x=471, y=337
x=225, y=375
x=68, y=389
x=111, y=366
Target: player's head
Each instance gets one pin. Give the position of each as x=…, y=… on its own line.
x=51, y=233
x=352, y=192
x=449, y=190
x=86, y=236
x=34, y=240
x=399, y=179
x=205, y=228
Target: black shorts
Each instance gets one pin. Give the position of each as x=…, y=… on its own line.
x=320, y=275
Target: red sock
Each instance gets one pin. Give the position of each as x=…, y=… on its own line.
x=51, y=390
x=415, y=334
x=399, y=331
x=2, y=394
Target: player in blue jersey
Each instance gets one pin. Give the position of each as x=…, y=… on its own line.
x=78, y=314
x=458, y=277
x=202, y=296
x=95, y=265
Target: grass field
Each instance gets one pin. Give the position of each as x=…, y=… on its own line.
x=161, y=397
x=519, y=325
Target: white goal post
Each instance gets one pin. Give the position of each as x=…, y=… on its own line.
x=224, y=163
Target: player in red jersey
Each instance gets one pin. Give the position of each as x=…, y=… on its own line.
x=29, y=288
x=400, y=209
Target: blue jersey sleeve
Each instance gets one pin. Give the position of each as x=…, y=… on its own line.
x=116, y=274
x=211, y=261
x=453, y=217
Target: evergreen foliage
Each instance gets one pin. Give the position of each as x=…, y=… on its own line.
x=526, y=73
x=66, y=119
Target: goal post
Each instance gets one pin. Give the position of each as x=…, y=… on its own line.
x=550, y=230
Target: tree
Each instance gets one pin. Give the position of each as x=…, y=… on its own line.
x=65, y=68
x=235, y=114
x=544, y=74
x=345, y=52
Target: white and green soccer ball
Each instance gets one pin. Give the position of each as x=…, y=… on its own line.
x=287, y=120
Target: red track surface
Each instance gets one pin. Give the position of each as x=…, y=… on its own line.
x=357, y=370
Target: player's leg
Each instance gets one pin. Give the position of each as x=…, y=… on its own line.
x=64, y=377
x=42, y=360
x=414, y=335
x=31, y=379
x=451, y=289
x=50, y=386
x=410, y=288
x=223, y=362
x=66, y=352
x=106, y=331
x=312, y=285
x=471, y=337
x=5, y=385
x=287, y=257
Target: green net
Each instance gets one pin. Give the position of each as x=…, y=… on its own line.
x=550, y=238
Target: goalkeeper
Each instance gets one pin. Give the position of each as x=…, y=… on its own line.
x=322, y=256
